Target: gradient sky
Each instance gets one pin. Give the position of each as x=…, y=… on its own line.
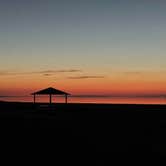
x=83, y=46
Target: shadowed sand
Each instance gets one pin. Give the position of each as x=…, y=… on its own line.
x=108, y=131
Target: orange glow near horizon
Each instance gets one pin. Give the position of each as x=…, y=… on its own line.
x=27, y=85
x=95, y=87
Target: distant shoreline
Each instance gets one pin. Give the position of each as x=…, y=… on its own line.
x=77, y=103
x=30, y=106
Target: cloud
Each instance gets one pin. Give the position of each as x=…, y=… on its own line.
x=44, y=72
x=133, y=72
x=47, y=74
x=52, y=72
x=58, y=71
x=69, y=71
x=3, y=73
x=86, y=77
x=143, y=72
x=6, y=73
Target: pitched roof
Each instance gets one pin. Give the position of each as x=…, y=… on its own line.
x=49, y=91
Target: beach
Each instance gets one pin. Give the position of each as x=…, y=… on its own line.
x=100, y=129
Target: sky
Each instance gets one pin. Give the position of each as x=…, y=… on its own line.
x=99, y=47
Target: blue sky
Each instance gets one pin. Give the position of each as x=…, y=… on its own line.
x=95, y=36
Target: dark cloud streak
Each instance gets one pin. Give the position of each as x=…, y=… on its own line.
x=44, y=72
x=58, y=71
x=6, y=73
x=86, y=77
x=143, y=72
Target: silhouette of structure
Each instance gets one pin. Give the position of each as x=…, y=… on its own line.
x=50, y=91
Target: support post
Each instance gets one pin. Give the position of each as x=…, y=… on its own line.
x=50, y=98
x=34, y=98
x=66, y=99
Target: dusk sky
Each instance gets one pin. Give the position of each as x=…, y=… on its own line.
x=101, y=47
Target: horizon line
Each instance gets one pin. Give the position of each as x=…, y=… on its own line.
x=97, y=96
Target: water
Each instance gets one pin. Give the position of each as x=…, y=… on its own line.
x=83, y=99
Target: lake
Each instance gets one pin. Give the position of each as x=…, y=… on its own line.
x=86, y=99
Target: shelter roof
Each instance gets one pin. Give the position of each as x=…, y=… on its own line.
x=49, y=91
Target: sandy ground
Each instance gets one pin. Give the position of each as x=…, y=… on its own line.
x=93, y=134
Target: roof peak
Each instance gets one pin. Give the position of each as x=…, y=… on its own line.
x=50, y=90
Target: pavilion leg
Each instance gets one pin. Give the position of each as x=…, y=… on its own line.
x=66, y=99
x=34, y=99
x=50, y=98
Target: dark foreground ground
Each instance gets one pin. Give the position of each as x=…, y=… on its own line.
x=86, y=134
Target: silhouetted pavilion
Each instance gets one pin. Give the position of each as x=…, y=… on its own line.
x=50, y=91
